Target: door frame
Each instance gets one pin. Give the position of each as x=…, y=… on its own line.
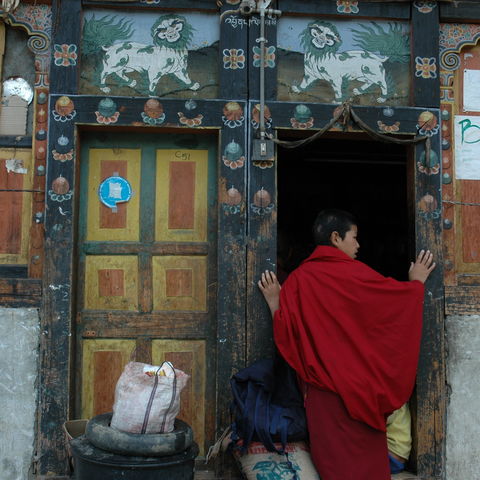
x=429, y=397
x=56, y=401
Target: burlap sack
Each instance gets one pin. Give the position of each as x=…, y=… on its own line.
x=147, y=398
x=258, y=462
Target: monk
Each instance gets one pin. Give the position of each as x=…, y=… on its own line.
x=353, y=337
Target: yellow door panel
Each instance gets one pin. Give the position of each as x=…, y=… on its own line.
x=103, y=363
x=180, y=283
x=111, y=282
x=188, y=356
x=181, y=202
x=103, y=223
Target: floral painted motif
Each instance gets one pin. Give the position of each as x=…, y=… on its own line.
x=153, y=113
x=233, y=58
x=302, y=125
x=388, y=128
x=234, y=164
x=190, y=122
x=428, y=207
x=428, y=124
x=233, y=202
x=60, y=190
x=302, y=117
x=64, y=109
x=233, y=156
x=107, y=111
x=263, y=164
x=269, y=61
x=65, y=55
x=62, y=157
x=256, y=116
x=424, y=7
x=233, y=115
x=426, y=67
x=107, y=120
x=430, y=167
x=262, y=202
x=347, y=6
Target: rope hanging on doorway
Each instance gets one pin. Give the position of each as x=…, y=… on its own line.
x=342, y=115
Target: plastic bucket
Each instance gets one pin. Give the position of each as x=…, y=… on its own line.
x=73, y=429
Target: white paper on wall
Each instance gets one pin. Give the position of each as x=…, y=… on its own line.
x=471, y=92
x=467, y=147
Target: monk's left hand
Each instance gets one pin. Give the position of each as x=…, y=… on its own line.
x=423, y=266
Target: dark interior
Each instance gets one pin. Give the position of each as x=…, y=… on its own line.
x=357, y=174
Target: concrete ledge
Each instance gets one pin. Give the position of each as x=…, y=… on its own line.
x=405, y=476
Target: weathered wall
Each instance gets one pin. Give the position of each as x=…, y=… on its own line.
x=463, y=411
x=19, y=338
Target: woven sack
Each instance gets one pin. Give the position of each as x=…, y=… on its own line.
x=259, y=463
x=147, y=398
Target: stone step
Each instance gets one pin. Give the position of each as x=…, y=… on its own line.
x=405, y=476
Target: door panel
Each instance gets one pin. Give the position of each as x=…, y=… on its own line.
x=111, y=282
x=179, y=283
x=103, y=362
x=104, y=223
x=188, y=356
x=147, y=269
x=182, y=195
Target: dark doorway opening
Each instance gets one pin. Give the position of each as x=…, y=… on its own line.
x=355, y=173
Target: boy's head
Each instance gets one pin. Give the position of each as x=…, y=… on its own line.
x=336, y=228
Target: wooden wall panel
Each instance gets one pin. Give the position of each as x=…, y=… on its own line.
x=181, y=202
x=102, y=365
x=470, y=223
x=120, y=277
x=15, y=207
x=180, y=283
x=188, y=356
x=102, y=223
x=11, y=204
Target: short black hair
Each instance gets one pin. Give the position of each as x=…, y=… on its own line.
x=329, y=221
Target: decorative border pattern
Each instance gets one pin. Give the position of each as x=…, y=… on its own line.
x=453, y=37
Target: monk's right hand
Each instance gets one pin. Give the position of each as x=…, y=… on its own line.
x=423, y=266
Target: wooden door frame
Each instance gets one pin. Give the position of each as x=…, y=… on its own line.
x=58, y=313
x=54, y=401
x=430, y=394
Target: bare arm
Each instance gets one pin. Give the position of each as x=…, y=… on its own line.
x=270, y=288
x=423, y=266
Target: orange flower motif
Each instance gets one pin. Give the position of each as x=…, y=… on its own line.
x=62, y=157
x=388, y=128
x=190, y=122
x=107, y=120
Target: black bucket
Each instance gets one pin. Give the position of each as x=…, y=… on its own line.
x=92, y=463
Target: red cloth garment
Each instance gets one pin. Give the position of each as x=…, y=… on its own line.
x=347, y=329
x=343, y=448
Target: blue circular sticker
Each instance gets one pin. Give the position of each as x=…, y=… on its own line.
x=114, y=190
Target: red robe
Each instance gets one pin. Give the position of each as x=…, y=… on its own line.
x=347, y=329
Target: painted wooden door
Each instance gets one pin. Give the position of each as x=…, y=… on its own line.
x=147, y=267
